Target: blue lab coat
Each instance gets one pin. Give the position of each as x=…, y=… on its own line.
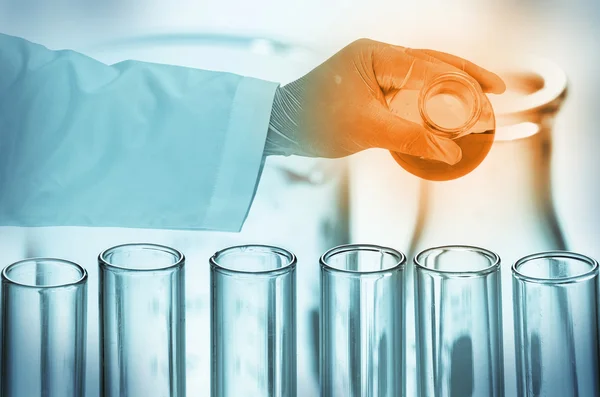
x=129, y=145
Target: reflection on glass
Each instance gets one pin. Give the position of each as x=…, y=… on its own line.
x=556, y=325
x=44, y=304
x=142, y=321
x=253, y=322
x=459, y=326
x=362, y=322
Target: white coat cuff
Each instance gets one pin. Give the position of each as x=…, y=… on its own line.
x=242, y=157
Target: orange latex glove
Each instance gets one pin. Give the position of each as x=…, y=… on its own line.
x=341, y=107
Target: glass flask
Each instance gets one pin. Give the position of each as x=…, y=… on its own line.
x=142, y=321
x=44, y=329
x=362, y=319
x=459, y=324
x=451, y=106
x=505, y=204
x=556, y=325
x=253, y=322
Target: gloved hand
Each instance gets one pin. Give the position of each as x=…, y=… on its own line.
x=341, y=107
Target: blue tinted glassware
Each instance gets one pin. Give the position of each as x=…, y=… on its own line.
x=459, y=324
x=44, y=303
x=142, y=321
x=362, y=322
x=253, y=322
x=556, y=325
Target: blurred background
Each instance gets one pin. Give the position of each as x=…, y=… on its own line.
x=309, y=206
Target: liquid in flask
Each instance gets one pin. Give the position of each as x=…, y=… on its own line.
x=454, y=107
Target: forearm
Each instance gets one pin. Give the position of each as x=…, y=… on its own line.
x=129, y=145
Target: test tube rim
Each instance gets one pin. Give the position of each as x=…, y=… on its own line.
x=179, y=263
x=82, y=280
x=590, y=274
x=494, y=266
x=289, y=266
x=400, y=264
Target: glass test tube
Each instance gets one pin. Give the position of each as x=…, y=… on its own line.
x=556, y=325
x=459, y=325
x=142, y=321
x=362, y=322
x=44, y=304
x=253, y=322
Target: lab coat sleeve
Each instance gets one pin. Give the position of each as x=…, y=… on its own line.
x=128, y=145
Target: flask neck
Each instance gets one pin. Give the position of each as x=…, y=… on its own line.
x=450, y=105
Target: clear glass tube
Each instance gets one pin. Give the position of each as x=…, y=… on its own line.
x=459, y=324
x=44, y=304
x=362, y=322
x=556, y=325
x=142, y=321
x=253, y=322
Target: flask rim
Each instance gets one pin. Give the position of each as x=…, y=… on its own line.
x=453, y=77
x=547, y=97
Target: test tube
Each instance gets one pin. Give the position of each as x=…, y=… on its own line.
x=459, y=325
x=44, y=303
x=142, y=321
x=362, y=322
x=253, y=322
x=556, y=325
